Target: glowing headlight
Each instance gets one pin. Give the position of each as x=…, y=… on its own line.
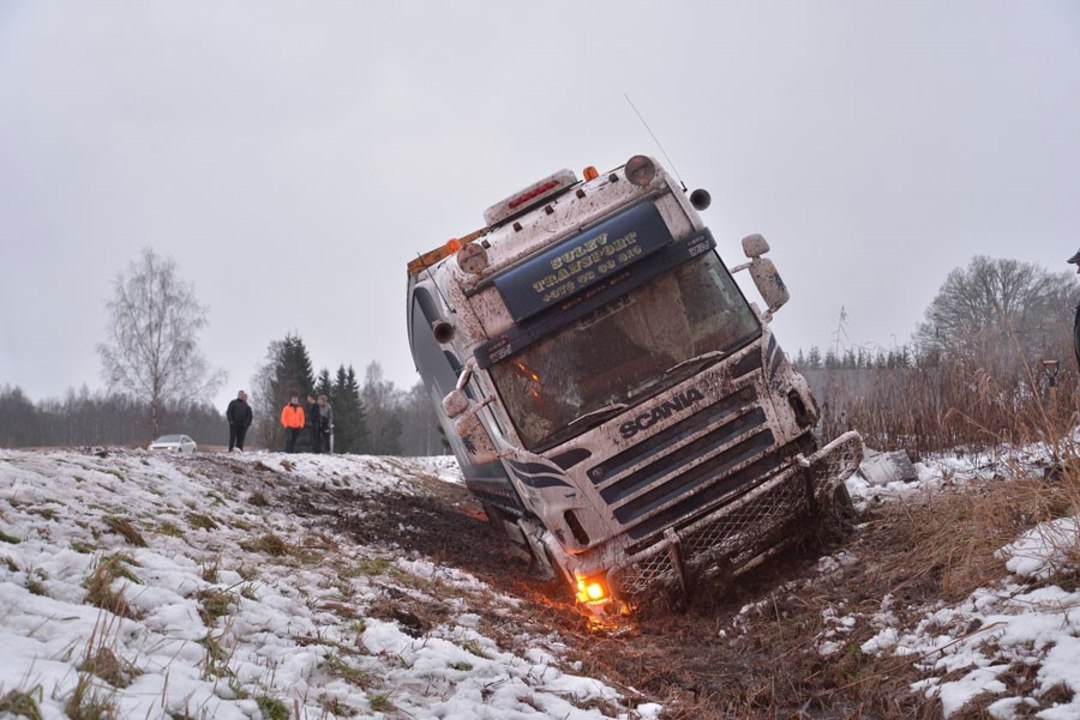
x=591, y=589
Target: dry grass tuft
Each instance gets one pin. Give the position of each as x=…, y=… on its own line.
x=269, y=543
x=22, y=703
x=214, y=604
x=105, y=665
x=354, y=676
x=124, y=527
x=87, y=703
x=99, y=586
x=204, y=522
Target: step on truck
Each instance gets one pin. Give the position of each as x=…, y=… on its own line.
x=619, y=408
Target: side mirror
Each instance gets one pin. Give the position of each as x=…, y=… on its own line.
x=764, y=273
x=474, y=436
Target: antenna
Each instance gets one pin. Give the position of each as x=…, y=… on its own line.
x=656, y=140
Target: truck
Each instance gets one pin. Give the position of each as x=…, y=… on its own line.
x=619, y=408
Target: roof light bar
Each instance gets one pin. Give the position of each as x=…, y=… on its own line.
x=530, y=196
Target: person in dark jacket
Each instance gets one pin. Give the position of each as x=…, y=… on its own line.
x=326, y=425
x=311, y=416
x=1075, y=260
x=239, y=416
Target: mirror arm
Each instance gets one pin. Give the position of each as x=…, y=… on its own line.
x=466, y=374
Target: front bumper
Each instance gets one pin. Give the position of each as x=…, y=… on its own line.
x=729, y=537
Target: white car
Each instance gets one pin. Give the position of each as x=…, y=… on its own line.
x=174, y=443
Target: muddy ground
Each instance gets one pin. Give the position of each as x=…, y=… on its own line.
x=747, y=650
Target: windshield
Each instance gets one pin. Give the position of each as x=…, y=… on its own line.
x=169, y=439
x=624, y=352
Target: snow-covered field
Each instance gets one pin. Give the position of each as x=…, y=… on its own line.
x=1027, y=619
x=222, y=605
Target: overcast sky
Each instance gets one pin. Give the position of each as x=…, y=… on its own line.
x=293, y=156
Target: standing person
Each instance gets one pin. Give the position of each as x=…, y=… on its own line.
x=292, y=419
x=239, y=416
x=1075, y=260
x=312, y=418
x=326, y=424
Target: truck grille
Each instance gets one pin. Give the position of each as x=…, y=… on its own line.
x=736, y=537
x=673, y=495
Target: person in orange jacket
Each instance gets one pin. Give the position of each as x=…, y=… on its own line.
x=292, y=419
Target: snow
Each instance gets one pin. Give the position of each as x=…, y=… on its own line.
x=219, y=631
x=221, y=628
x=964, y=651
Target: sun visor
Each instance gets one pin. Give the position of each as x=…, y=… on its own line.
x=579, y=262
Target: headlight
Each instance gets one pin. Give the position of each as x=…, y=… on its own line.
x=592, y=589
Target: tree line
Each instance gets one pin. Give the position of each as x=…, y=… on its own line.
x=374, y=418
x=991, y=362
x=153, y=366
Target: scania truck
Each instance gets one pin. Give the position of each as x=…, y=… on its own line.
x=619, y=408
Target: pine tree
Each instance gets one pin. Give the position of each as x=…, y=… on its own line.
x=286, y=372
x=350, y=426
x=323, y=386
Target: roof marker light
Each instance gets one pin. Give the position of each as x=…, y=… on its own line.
x=590, y=173
x=640, y=170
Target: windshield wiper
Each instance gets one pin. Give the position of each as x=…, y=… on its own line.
x=703, y=358
x=600, y=412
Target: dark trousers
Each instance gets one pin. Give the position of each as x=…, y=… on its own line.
x=236, y=436
x=316, y=439
x=291, y=435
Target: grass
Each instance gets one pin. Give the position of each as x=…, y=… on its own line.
x=201, y=521
x=214, y=604
x=108, y=667
x=22, y=703
x=216, y=660
x=380, y=702
x=335, y=708
x=89, y=703
x=171, y=529
x=334, y=665
x=35, y=582
x=272, y=708
x=269, y=543
x=99, y=586
x=9, y=539
x=367, y=567
x=472, y=648
x=126, y=529
x=210, y=570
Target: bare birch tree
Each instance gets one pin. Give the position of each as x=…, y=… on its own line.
x=151, y=351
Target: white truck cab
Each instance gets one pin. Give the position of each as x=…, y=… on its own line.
x=616, y=404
